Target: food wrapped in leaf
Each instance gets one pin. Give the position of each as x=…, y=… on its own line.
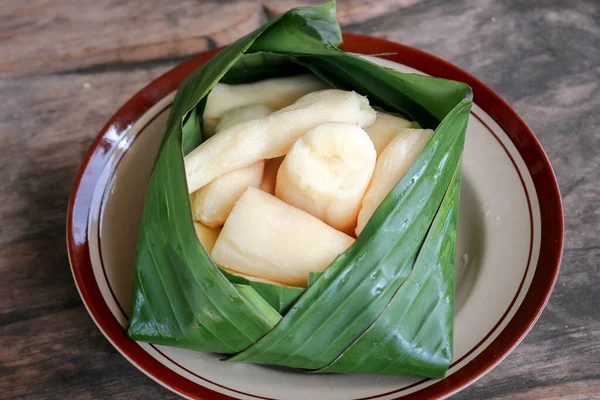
x=330, y=186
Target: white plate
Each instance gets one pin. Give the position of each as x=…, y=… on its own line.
x=500, y=237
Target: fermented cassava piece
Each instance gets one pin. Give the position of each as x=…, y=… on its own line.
x=272, y=136
x=213, y=202
x=207, y=236
x=382, y=303
x=242, y=114
x=275, y=93
x=268, y=238
x=326, y=173
x=392, y=164
x=385, y=128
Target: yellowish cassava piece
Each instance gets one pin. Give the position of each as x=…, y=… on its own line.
x=327, y=172
x=272, y=136
x=385, y=128
x=276, y=93
x=267, y=237
x=280, y=286
x=392, y=164
x=213, y=202
x=207, y=236
x=242, y=114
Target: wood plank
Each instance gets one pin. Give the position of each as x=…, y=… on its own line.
x=46, y=35
x=348, y=11
x=66, y=357
x=49, y=346
x=47, y=123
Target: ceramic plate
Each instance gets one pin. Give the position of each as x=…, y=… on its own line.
x=509, y=244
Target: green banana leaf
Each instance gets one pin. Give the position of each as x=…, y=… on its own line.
x=280, y=297
x=248, y=292
x=312, y=277
x=386, y=305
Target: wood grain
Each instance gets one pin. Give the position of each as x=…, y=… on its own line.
x=67, y=65
x=74, y=35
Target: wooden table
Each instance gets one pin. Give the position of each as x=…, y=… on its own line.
x=67, y=65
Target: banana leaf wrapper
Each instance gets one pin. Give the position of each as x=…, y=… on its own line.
x=384, y=306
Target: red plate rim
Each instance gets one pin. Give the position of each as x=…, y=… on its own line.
x=538, y=165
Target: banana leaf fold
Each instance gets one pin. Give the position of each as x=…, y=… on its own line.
x=386, y=305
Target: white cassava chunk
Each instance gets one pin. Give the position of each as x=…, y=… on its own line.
x=213, y=202
x=276, y=93
x=385, y=128
x=326, y=173
x=392, y=164
x=267, y=238
x=272, y=136
x=242, y=114
x=207, y=236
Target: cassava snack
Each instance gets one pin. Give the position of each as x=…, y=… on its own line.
x=243, y=114
x=275, y=93
x=392, y=164
x=268, y=238
x=385, y=128
x=327, y=172
x=213, y=202
x=272, y=136
x=207, y=236
x=382, y=303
